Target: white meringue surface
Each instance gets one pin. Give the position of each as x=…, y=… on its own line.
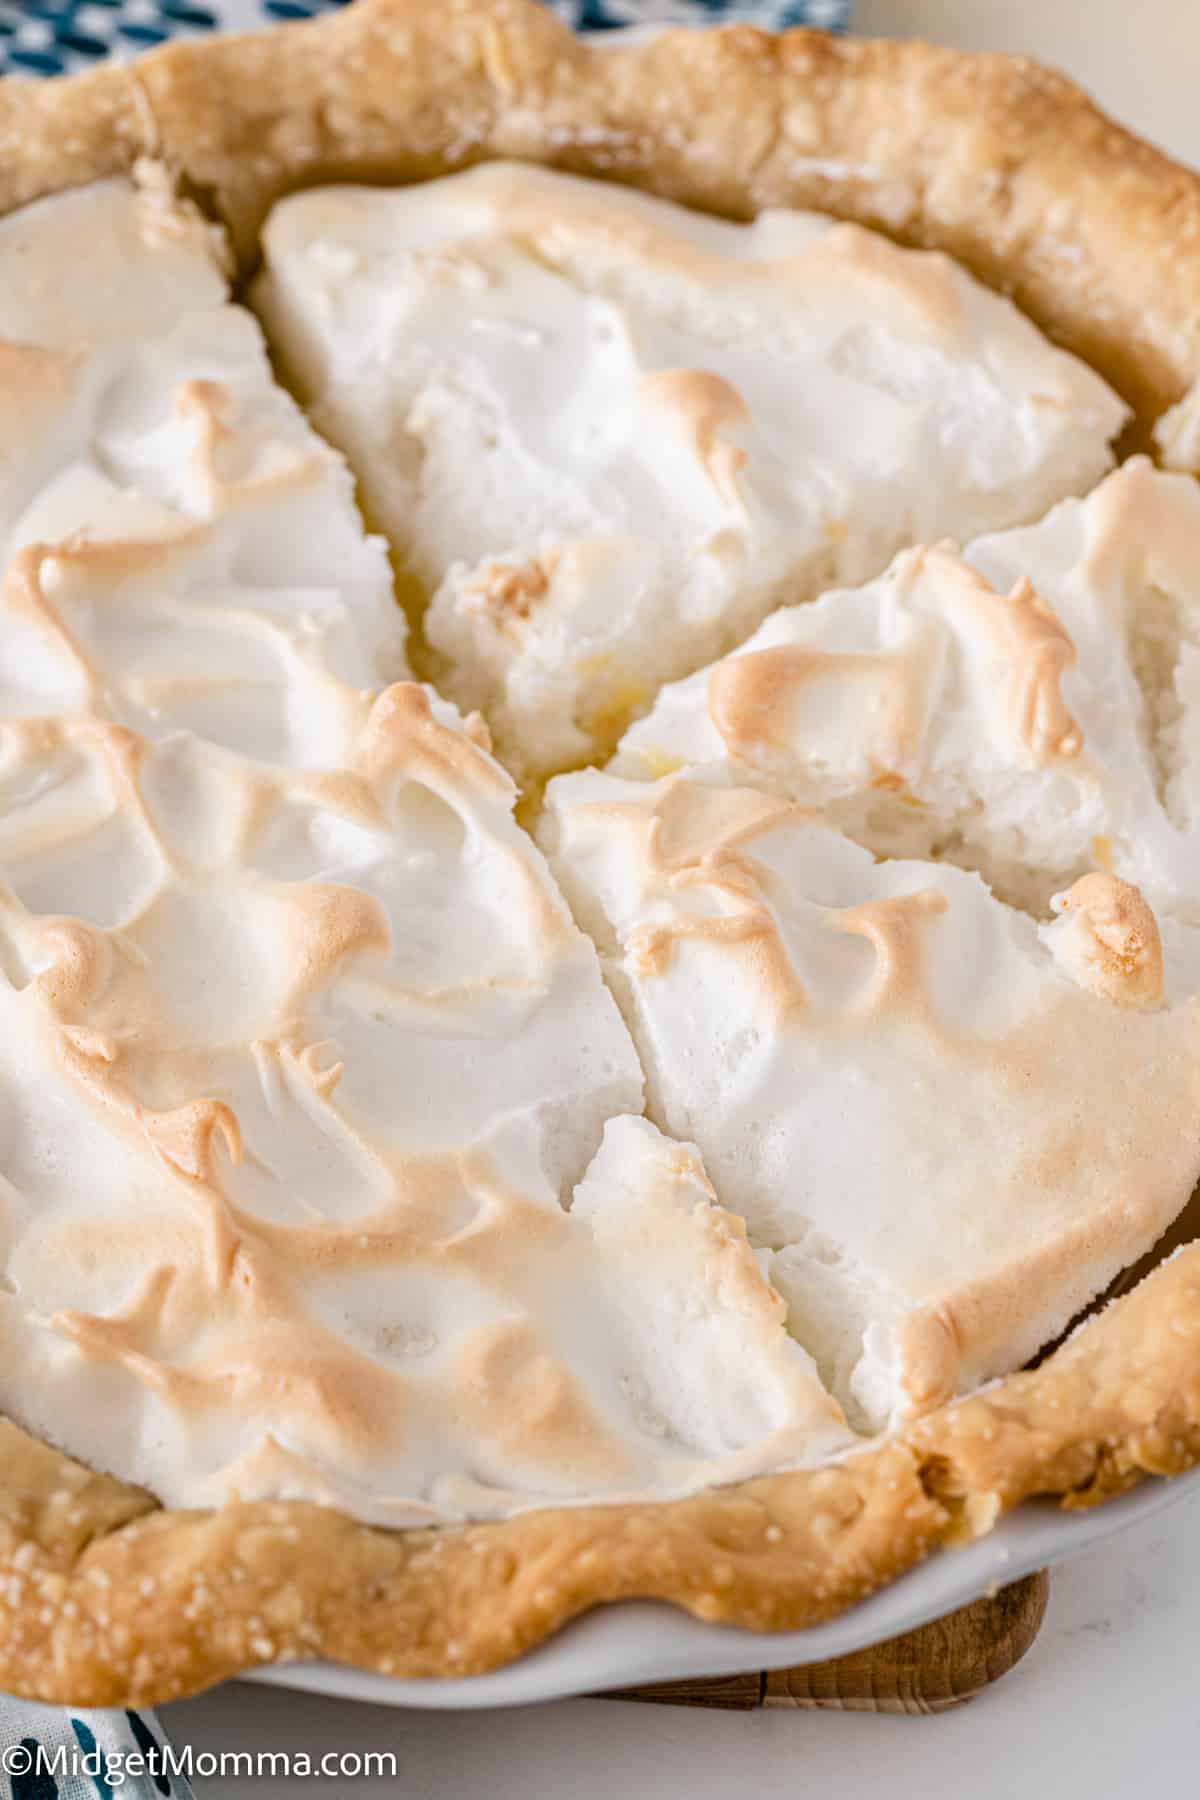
x=912, y=1093
x=321, y=1173
x=302, y=1053
x=610, y=434
x=179, y=549
x=1029, y=707
x=294, y=1070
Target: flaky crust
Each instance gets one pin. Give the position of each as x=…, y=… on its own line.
x=1002, y=163
x=105, y=1598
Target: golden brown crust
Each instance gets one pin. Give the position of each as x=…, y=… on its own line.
x=1119, y=1400
x=59, y=134
x=106, y=1598
x=1004, y=164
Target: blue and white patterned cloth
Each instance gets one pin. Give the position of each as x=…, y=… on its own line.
x=47, y=1753
x=60, y=37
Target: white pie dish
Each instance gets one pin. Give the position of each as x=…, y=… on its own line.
x=622, y=1646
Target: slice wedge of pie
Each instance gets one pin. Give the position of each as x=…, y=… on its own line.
x=370, y=1287
x=1027, y=707
x=610, y=434
x=903, y=1086
x=181, y=551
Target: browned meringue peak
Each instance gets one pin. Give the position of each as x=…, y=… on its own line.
x=1112, y=942
x=293, y=1068
x=754, y=697
x=950, y=1125
x=608, y=434
x=179, y=549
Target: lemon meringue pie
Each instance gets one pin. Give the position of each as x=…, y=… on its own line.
x=421, y=1220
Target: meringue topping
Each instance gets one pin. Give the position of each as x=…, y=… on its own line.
x=1111, y=941
x=906, y=1088
x=1028, y=707
x=302, y=1055
x=664, y=424
x=322, y=1175
x=180, y=550
x=296, y=1067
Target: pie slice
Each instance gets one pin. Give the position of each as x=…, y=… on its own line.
x=1029, y=707
x=609, y=435
x=180, y=551
x=904, y=1087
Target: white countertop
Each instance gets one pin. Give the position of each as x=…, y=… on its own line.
x=1139, y=58
x=1105, y=1703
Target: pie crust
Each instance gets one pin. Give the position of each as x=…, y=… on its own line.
x=107, y=1598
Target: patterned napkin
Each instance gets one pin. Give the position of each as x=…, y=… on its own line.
x=47, y=1753
x=60, y=37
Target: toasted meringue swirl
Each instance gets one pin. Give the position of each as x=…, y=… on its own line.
x=695, y=420
x=911, y=1092
x=301, y=1052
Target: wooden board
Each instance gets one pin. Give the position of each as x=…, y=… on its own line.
x=924, y=1671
